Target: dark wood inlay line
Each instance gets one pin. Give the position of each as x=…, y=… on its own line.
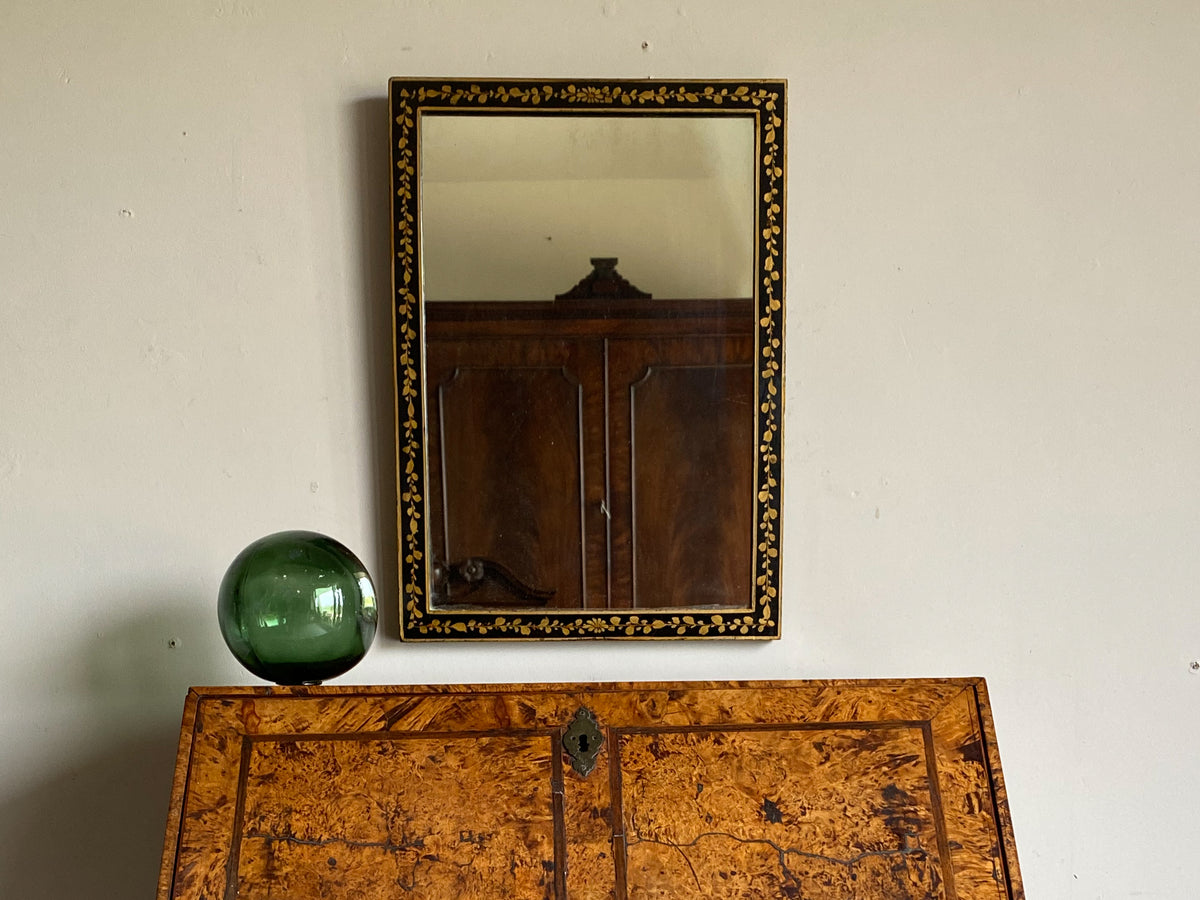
x=939, y=821
x=1001, y=833
x=608, y=493
x=362, y=736
x=774, y=726
x=239, y=812
x=560, y=820
x=617, y=815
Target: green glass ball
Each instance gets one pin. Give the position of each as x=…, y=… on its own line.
x=297, y=607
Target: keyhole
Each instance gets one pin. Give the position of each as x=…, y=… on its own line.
x=582, y=741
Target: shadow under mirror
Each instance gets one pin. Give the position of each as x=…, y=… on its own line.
x=589, y=358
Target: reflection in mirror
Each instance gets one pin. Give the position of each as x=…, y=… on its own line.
x=513, y=207
x=588, y=365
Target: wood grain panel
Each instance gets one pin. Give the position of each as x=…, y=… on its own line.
x=341, y=709
x=512, y=477
x=209, y=816
x=827, y=813
x=413, y=817
x=515, y=452
x=969, y=806
x=591, y=873
x=880, y=790
x=692, y=521
x=682, y=464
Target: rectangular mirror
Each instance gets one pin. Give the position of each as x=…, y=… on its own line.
x=589, y=342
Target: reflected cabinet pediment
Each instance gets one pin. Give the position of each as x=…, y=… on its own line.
x=588, y=313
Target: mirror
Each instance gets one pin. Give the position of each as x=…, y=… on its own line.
x=588, y=337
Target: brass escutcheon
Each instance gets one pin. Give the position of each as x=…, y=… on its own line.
x=582, y=741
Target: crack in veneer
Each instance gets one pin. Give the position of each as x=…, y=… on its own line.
x=849, y=862
x=387, y=846
x=323, y=842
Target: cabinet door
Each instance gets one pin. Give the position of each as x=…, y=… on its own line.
x=822, y=790
x=516, y=444
x=681, y=460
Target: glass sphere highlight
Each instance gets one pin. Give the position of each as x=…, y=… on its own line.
x=297, y=607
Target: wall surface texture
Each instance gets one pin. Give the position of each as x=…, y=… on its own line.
x=993, y=386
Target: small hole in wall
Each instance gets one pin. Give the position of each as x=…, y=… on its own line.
x=173, y=643
x=645, y=45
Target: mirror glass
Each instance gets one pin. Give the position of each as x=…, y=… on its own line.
x=588, y=358
x=528, y=200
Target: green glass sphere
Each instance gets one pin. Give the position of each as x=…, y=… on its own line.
x=297, y=607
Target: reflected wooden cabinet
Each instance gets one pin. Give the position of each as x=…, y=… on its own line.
x=591, y=454
x=881, y=790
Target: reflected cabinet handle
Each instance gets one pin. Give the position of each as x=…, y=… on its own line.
x=455, y=582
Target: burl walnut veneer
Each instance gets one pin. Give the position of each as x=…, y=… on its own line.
x=819, y=790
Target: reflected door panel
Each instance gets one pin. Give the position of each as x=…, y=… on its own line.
x=514, y=450
x=685, y=468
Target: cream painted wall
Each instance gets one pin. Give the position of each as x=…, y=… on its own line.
x=993, y=425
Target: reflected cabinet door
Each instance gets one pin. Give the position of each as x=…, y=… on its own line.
x=682, y=469
x=516, y=462
x=822, y=790
x=579, y=460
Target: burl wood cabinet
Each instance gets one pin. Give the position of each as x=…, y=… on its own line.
x=594, y=454
x=818, y=790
